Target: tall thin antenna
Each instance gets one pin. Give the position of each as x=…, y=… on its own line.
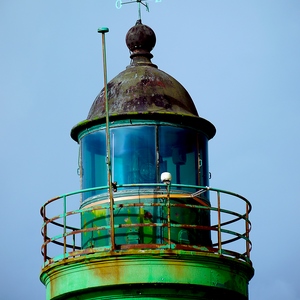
x=104, y=30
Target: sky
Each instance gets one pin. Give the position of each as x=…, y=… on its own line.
x=240, y=62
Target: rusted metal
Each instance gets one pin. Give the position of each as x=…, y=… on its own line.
x=144, y=91
x=150, y=196
x=65, y=224
x=169, y=215
x=247, y=225
x=108, y=267
x=219, y=224
x=141, y=35
x=44, y=232
x=68, y=230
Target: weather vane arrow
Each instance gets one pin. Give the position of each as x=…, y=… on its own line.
x=119, y=4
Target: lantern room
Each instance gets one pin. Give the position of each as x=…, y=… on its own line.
x=154, y=128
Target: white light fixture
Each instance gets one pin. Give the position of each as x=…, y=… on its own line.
x=166, y=177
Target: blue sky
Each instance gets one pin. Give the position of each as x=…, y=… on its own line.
x=240, y=62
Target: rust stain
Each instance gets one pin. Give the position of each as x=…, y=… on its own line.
x=108, y=271
x=143, y=89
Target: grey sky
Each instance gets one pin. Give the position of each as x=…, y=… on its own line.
x=238, y=59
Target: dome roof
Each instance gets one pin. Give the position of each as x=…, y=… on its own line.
x=143, y=91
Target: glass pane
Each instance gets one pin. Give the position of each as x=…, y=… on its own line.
x=203, y=156
x=133, y=154
x=133, y=151
x=183, y=153
x=178, y=154
x=94, y=170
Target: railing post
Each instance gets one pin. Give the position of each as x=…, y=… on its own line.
x=45, y=233
x=169, y=215
x=247, y=231
x=65, y=225
x=219, y=224
x=74, y=242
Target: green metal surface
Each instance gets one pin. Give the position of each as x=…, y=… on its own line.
x=148, y=269
x=103, y=30
x=144, y=272
x=133, y=122
x=153, y=210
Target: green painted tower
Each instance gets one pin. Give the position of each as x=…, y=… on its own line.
x=145, y=223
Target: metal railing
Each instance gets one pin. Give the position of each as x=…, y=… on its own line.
x=229, y=230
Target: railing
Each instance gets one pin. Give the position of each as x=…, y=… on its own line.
x=231, y=225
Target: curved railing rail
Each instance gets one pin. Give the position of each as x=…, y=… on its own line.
x=231, y=225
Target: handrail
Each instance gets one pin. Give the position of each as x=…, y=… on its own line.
x=67, y=231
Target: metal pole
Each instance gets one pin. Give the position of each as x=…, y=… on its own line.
x=104, y=30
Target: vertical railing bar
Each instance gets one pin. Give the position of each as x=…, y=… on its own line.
x=247, y=231
x=74, y=241
x=45, y=234
x=169, y=215
x=65, y=225
x=219, y=224
x=141, y=221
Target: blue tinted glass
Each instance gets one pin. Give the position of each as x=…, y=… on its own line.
x=93, y=156
x=133, y=151
x=178, y=154
x=183, y=153
x=133, y=154
x=203, y=164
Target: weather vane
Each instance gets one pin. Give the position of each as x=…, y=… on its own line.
x=119, y=4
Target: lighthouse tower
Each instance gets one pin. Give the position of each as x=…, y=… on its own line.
x=147, y=225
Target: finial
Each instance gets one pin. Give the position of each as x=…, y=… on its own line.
x=140, y=40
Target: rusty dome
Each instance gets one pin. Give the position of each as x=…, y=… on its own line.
x=142, y=91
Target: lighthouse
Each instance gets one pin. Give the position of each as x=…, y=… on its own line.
x=147, y=223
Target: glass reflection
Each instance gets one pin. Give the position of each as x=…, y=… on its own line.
x=178, y=154
x=181, y=151
x=133, y=154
